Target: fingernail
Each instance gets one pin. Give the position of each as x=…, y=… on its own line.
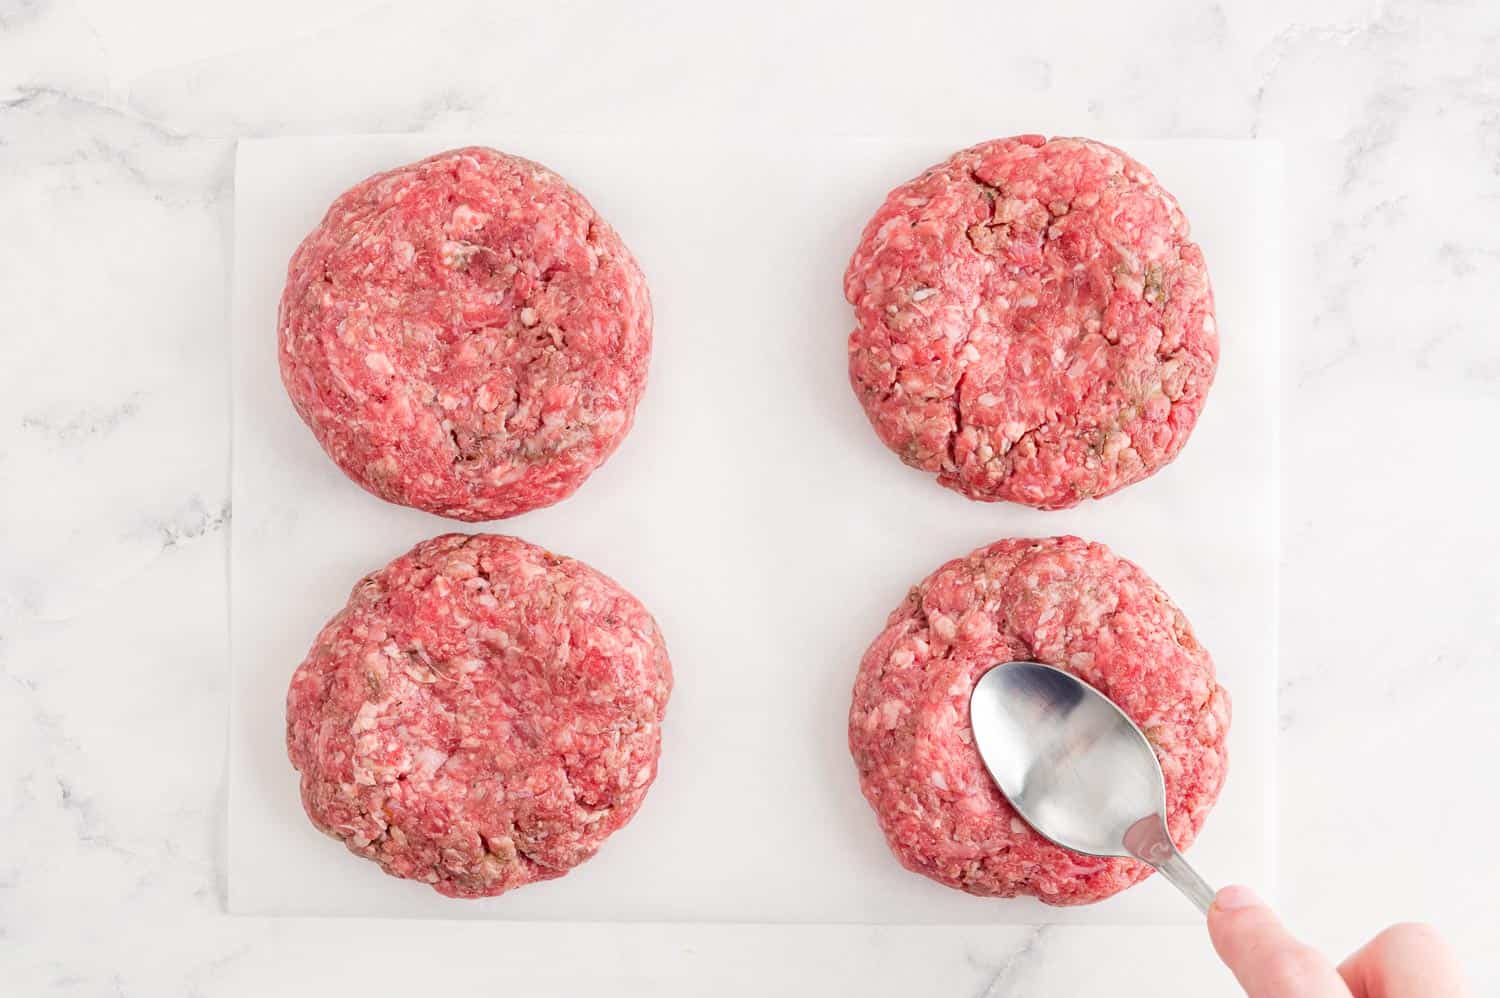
x=1235, y=898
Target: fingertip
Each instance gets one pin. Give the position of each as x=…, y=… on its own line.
x=1237, y=920
x=1267, y=960
x=1412, y=935
x=1408, y=957
x=1236, y=897
x=1234, y=907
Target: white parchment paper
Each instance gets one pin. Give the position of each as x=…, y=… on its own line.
x=754, y=512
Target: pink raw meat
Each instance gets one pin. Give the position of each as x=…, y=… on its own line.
x=1063, y=602
x=1034, y=323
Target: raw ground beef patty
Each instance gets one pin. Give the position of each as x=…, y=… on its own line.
x=1063, y=602
x=1034, y=324
x=465, y=335
x=481, y=715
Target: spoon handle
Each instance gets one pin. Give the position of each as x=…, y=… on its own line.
x=1149, y=841
x=1186, y=880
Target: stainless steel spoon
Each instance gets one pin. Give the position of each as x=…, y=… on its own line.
x=1077, y=768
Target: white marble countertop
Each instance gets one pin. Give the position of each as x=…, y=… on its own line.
x=117, y=125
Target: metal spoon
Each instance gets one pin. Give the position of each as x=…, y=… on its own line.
x=1077, y=768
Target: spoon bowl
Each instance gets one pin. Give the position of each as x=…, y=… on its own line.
x=1076, y=768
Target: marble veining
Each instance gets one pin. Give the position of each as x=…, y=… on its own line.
x=116, y=148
